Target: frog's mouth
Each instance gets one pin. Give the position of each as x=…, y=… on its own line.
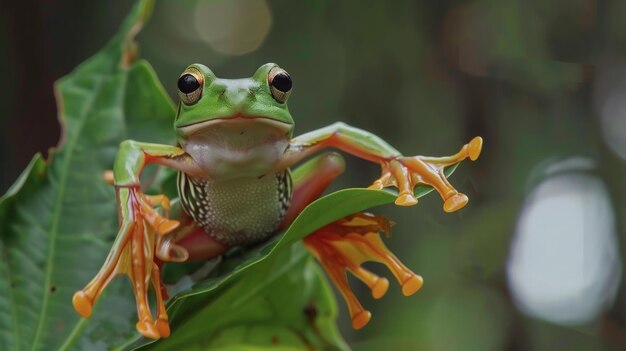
x=237, y=122
x=236, y=146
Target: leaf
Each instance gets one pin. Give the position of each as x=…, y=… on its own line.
x=189, y=311
x=58, y=220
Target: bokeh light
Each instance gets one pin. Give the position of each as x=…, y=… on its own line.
x=564, y=266
x=610, y=101
x=233, y=27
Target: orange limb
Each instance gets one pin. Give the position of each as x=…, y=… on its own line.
x=139, y=274
x=160, y=223
x=345, y=245
x=133, y=254
x=197, y=244
x=162, y=325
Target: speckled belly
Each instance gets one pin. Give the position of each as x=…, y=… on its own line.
x=236, y=212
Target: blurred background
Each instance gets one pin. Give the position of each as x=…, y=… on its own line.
x=534, y=262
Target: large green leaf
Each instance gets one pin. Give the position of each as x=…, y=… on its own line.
x=58, y=220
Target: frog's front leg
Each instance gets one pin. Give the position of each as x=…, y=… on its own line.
x=397, y=170
x=140, y=233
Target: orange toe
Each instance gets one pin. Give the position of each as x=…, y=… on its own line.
x=377, y=185
x=82, y=304
x=148, y=330
x=163, y=327
x=167, y=226
x=406, y=200
x=361, y=319
x=475, y=147
x=455, y=202
x=412, y=285
x=108, y=177
x=379, y=289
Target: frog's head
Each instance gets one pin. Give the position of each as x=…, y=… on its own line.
x=259, y=102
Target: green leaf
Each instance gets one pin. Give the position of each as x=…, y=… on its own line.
x=58, y=220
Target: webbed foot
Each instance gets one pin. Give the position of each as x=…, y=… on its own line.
x=140, y=234
x=345, y=245
x=406, y=172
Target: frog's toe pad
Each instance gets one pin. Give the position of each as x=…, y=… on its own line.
x=455, y=202
x=475, y=147
x=412, y=285
x=361, y=319
x=148, y=330
x=379, y=288
x=82, y=304
x=163, y=327
x=406, y=200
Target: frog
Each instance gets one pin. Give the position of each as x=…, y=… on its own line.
x=234, y=157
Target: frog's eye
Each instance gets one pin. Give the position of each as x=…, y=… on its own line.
x=190, y=86
x=280, y=84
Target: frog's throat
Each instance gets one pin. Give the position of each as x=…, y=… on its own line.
x=194, y=128
x=236, y=147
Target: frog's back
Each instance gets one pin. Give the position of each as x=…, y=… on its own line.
x=239, y=211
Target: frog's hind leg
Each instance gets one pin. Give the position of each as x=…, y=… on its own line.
x=190, y=243
x=344, y=245
x=132, y=254
x=310, y=180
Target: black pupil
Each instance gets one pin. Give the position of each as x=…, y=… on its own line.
x=282, y=82
x=188, y=84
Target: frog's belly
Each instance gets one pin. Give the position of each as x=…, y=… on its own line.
x=236, y=212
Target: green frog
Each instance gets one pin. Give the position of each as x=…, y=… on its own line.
x=234, y=154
